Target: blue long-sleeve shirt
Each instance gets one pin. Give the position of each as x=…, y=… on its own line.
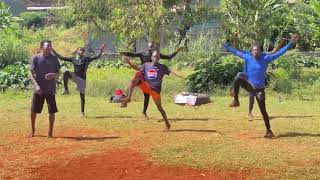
x=256, y=68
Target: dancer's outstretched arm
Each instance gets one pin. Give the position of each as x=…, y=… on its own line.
x=175, y=74
x=272, y=57
x=170, y=56
x=128, y=60
x=103, y=46
x=61, y=57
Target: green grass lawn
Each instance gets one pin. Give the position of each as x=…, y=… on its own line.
x=212, y=136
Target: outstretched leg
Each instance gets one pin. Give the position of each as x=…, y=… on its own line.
x=157, y=101
x=133, y=83
x=239, y=80
x=66, y=77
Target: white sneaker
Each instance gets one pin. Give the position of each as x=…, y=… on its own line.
x=82, y=115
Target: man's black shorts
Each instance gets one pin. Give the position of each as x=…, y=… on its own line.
x=38, y=101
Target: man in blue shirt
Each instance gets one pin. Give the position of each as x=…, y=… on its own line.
x=257, y=64
x=235, y=43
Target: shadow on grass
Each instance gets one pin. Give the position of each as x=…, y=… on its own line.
x=159, y=120
x=295, y=134
x=290, y=117
x=88, y=138
x=109, y=117
x=189, y=119
x=189, y=130
x=192, y=119
x=196, y=130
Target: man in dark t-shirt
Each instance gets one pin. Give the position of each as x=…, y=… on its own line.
x=145, y=56
x=150, y=81
x=80, y=65
x=44, y=69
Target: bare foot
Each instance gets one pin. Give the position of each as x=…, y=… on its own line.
x=31, y=135
x=234, y=104
x=168, y=126
x=145, y=116
x=124, y=102
x=250, y=117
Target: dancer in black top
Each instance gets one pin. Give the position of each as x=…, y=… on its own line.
x=80, y=65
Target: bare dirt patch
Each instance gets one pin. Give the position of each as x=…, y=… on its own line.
x=126, y=164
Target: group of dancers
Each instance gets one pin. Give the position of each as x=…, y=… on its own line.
x=45, y=68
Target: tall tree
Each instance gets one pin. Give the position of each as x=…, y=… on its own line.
x=130, y=20
x=254, y=20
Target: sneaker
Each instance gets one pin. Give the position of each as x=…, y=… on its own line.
x=234, y=103
x=269, y=134
x=82, y=115
x=65, y=93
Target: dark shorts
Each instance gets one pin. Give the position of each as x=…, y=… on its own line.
x=38, y=101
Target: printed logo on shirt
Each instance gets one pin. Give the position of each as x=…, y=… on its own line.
x=152, y=74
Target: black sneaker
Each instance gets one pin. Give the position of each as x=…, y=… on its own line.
x=234, y=103
x=269, y=134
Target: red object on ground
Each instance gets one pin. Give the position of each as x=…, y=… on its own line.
x=118, y=92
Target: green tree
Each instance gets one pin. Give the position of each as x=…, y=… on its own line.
x=316, y=6
x=130, y=20
x=11, y=43
x=5, y=16
x=254, y=20
x=304, y=20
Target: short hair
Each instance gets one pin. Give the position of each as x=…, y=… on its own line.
x=257, y=44
x=44, y=41
x=156, y=50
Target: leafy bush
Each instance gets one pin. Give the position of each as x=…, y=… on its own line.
x=15, y=76
x=295, y=80
x=199, y=49
x=217, y=71
x=308, y=61
x=12, y=49
x=108, y=63
x=6, y=19
x=33, y=19
x=291, y=65
x=65, y=41
x=64, y=17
